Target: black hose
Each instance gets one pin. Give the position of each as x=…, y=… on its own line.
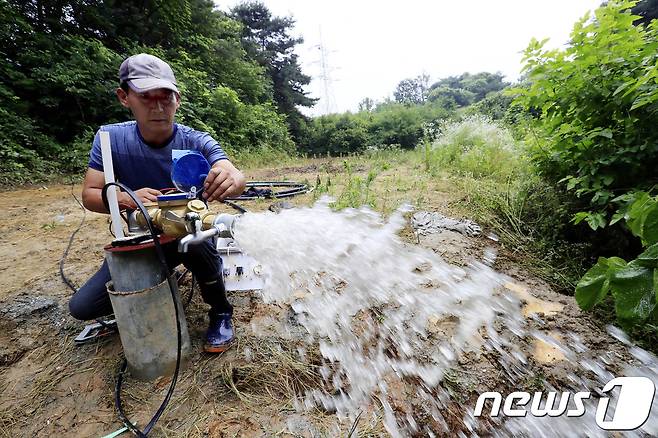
x=179, y=280
x=237, y=207
x=172, y=288
x=294, y=188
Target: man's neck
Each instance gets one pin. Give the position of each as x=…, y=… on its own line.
x=156, y=139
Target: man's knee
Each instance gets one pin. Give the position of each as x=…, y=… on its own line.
x=92, y=300
x=79, y=309
x=205, y=248
x=85, y=310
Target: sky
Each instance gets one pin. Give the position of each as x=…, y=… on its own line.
x=369, y=46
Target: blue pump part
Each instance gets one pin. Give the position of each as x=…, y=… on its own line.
x=189, y=169
x=173, y=197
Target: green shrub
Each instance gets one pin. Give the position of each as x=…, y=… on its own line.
x=335, y=134
x=402, y=125
x=498, y=107
x=596, y=110
x=389, y=125
x=20, y=138
x=597, y=107
x=75, y=156
x=633, y=284
x=478, y=147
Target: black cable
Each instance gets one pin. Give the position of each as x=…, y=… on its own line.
x=66, y=281
x=62, y=260
x=172, y=289
x=235, y=206
x=180, y=278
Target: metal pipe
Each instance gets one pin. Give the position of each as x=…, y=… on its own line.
x=145, y=312
x=198, y=237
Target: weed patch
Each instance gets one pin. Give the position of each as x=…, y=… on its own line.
x=475, y=147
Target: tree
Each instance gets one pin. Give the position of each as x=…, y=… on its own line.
x=598, y=113
x=466, y=88
x=450, y=98
x=50, y=109
x=412, y=91
x=267, y=39
x=367, y=105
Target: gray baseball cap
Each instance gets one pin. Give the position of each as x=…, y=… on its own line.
x=146, y=72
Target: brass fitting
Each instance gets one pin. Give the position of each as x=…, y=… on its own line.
x=169, y=216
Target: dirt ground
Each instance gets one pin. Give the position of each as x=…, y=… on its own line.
x=49, y=386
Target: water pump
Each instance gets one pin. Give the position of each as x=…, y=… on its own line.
x=182, y=214
x=141, y=293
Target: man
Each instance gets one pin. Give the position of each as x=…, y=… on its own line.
x=141, y=153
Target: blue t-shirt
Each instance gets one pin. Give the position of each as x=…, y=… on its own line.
x=138, y=165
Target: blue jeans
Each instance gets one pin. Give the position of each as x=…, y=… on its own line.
x=92, y=300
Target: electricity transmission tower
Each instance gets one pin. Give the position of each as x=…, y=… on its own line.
x=328, y=100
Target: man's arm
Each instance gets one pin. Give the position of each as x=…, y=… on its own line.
x=223, y=181
x=93, y=200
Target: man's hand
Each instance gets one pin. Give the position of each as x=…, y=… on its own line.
x=145, y=195
x=223, y=181
x=93, y=200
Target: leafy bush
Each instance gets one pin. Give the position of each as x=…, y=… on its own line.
x=336, y=134
x=597, y=102
x=19, y=161
x=398, y=124
x=75, y=156
x=634, y=285
x=389, y=124
x=465, y=89
x=498, y=107
x=596, y=110
x=478, y=147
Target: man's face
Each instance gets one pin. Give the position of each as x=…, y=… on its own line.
x=154, y=110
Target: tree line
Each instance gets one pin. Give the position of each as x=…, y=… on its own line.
x=240, y=79
x=410, y=117
x=239, y=76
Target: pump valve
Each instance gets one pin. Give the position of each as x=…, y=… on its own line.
x=189, y=220
x=197, y=236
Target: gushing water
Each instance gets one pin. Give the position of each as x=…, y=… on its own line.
x=393, y=320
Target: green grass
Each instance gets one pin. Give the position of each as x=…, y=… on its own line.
x=475, y=147
x=262, y=157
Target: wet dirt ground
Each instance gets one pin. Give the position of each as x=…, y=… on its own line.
x=49, y=386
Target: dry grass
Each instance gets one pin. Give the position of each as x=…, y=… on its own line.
x=271, y=369
x=60, y=362
x=256, y=381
